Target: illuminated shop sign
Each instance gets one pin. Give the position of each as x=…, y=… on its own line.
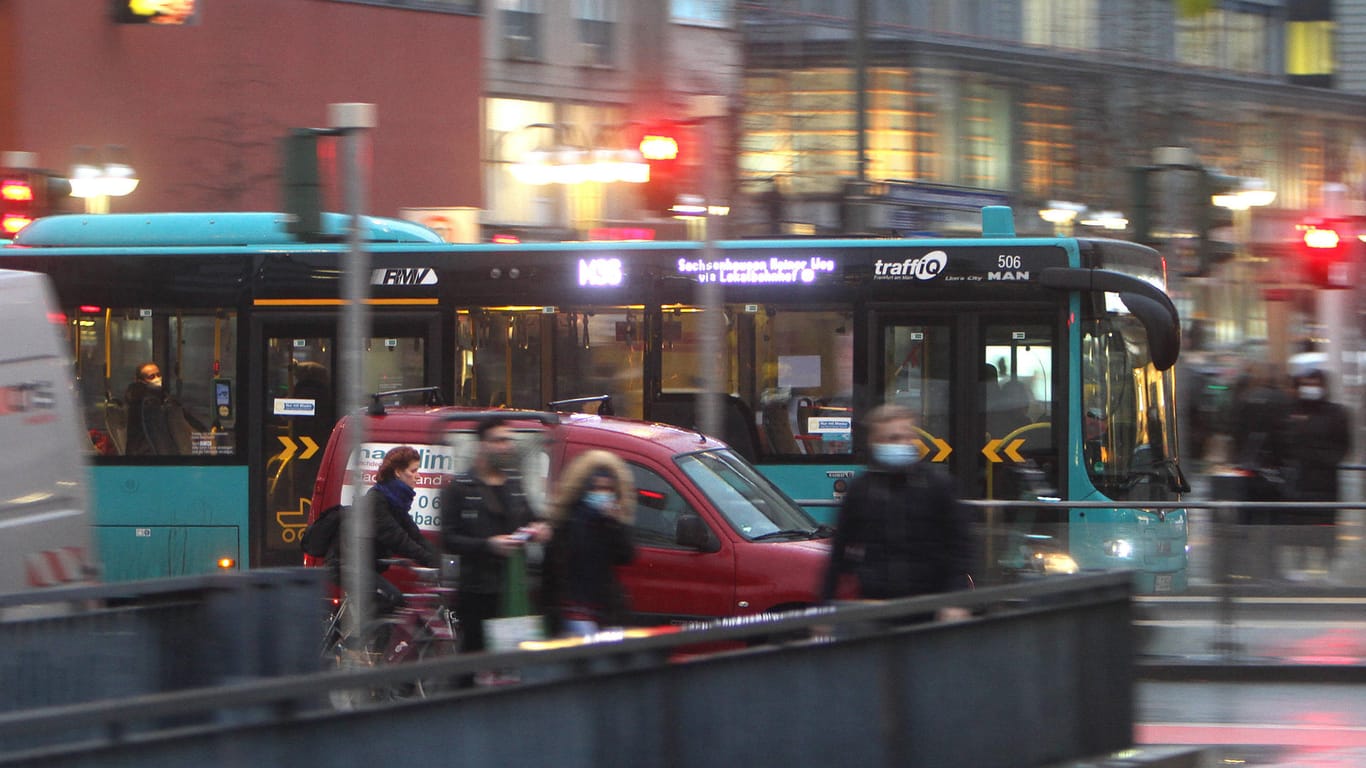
x=771, y=271
x=600, y=272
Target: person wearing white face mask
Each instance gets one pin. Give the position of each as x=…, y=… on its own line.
x=901, y=529
x=1315, y=439
x=591, y=535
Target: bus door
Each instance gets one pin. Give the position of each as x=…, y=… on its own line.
x=298, y=359
x=983, y=388
x=1018, y=459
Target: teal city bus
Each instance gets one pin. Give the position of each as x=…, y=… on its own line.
x=1039, y=368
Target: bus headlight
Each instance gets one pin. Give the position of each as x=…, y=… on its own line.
x=1118, y=548
x=1055, y=562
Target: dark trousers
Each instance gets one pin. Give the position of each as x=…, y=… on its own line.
x=472, y=609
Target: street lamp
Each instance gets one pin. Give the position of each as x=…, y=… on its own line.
x=1104, y=220
x=1248, y=193
x=96, y=183
x=1061, y=214
x=569, y=164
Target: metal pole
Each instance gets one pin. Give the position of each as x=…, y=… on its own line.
x=709, y=297
x=351, y=121
x=861, y=89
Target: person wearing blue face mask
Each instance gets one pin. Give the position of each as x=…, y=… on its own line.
x=591, y=535
x=901, y=530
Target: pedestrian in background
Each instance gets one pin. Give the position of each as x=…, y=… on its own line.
x=591, y=535
x=481, y=514
x=1256, y=428
x=1315, y=439
x=901, y=529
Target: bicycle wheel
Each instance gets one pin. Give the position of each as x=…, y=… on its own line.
x=346, y=653
x=435, y=645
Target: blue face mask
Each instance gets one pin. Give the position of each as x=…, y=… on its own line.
x=895, y=455
x=600, y=500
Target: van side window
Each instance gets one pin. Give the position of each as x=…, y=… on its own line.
x=195, y=351
x=658, y=507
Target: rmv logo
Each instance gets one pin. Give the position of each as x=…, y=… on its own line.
x=404, y=276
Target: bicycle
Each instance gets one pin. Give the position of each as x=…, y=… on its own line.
x=422, y=627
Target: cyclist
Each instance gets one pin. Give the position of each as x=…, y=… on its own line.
x=395, y=533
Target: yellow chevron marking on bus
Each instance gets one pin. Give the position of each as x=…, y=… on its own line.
x=1011, y=449
x=310, y=447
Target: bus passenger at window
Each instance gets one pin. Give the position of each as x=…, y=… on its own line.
x=157, y=424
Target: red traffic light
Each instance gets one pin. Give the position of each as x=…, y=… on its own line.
x=16, y=196
x=16, y=190
x=1324, y=252
x=1321, y=237
x=654, y=146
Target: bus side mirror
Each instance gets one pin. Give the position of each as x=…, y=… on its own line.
x=692, y=533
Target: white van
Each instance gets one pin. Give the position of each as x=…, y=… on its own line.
x=45, y=537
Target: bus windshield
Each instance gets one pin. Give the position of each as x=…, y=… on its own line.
x=1128, y=424
x=751, y=504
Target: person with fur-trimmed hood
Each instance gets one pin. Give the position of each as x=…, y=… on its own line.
x=591, y=520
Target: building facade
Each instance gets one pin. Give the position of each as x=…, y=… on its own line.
x=893, y=108
x=199, y=109
x=599, y=75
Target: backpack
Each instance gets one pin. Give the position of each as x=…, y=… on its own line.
x=318, y=539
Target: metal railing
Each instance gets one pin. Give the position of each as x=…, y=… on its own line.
x=1044, y=668
x=130, y=638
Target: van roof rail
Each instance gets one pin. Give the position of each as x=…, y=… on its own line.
x=433, y=397
x=506, y=414
x=604, y=403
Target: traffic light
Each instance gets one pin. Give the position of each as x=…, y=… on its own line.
x=23, y=194
x=661, y=146
x=1325, y=253
x=1214, y=222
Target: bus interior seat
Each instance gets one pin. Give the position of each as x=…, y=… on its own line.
x=116, y=424
x=779, y=430
x=738, y=429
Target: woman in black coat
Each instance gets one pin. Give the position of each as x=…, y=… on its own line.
x=591, y=535
x=396, y=535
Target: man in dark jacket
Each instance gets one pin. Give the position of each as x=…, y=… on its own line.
x=480, y=516
x=152, y=417
x=1317, y=437
x=901, y=529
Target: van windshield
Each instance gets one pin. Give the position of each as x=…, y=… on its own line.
x=749, y=502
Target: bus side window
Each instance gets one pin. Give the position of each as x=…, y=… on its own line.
x=188, y=346
x=795, y=368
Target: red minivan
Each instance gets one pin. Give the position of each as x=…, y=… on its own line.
x=714, y=538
